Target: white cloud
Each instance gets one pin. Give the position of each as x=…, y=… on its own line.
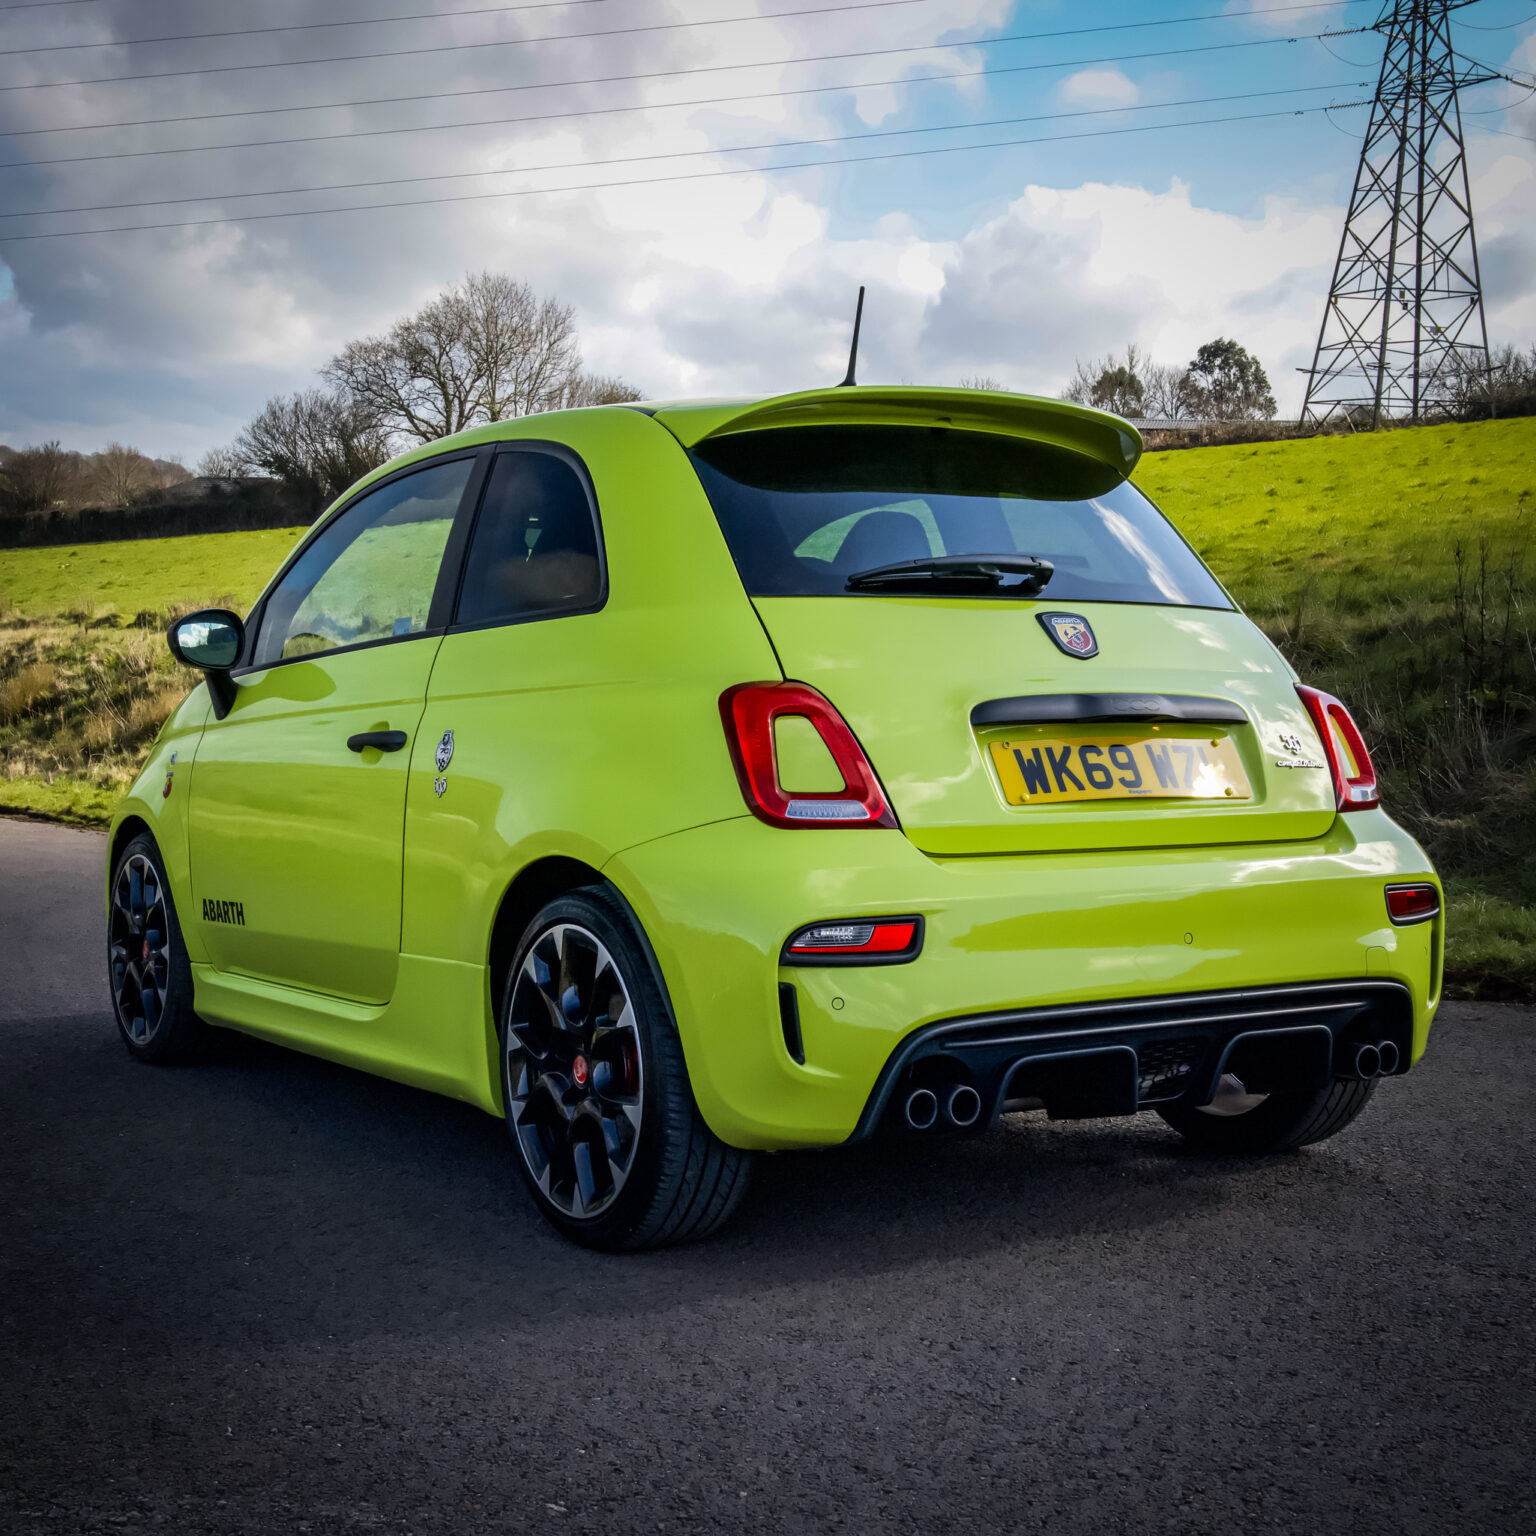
x=1099, y=87
x=1063, y=274
x=1282, y=15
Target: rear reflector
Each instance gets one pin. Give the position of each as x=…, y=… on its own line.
x=1412, y=903
x=874, y=941
x=1354, y=779
x=749, y=712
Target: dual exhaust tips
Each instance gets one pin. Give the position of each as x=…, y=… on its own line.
x=1380, y=1060
x=960, y=1107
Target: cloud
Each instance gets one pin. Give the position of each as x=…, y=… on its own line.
x=1099, y=87
x=744, y=282
x=174, y=338
x=1282, y=15
x=1069, y=273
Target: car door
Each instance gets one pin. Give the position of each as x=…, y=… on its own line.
x=297, y=809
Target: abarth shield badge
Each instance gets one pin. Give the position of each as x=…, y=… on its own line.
x=1071, y=632
x=445, y=752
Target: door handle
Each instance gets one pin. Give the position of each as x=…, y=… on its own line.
x=385, y=741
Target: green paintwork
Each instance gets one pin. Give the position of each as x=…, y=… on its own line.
x=370, y=900
x=1095, y=433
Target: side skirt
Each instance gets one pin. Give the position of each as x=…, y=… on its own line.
x=434, y=1033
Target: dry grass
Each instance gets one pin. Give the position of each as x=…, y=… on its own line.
x=23, y=691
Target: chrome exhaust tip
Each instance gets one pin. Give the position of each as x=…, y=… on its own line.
x=921, y=1109
x=1391, y=1058
x=963, y=1106
x=1368, y=1061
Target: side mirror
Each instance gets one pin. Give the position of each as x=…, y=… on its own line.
x=211, y=639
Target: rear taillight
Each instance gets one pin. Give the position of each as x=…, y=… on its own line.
x=870, y=940
x=1412, y=903
x=1354, y=779
x=749, y=711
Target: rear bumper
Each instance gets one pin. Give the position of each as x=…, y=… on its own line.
x=1005, y=937
x=1119, y=1057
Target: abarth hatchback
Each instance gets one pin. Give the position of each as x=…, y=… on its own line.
x=681, y=781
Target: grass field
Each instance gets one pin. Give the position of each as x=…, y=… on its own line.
x=140, y=575
x=1396, y=570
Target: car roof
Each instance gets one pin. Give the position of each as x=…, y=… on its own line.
x=1059, y=423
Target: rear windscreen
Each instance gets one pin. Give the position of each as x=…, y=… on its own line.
x=805, y=508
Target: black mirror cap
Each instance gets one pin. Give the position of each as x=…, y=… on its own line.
x=211, y=639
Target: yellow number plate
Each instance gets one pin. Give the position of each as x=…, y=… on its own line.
x=1051, y=771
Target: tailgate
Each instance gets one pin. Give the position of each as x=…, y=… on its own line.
x=929, y=685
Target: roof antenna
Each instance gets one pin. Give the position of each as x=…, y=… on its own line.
x=853, y=355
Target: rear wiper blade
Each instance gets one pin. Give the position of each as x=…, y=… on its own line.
x=1001, y=575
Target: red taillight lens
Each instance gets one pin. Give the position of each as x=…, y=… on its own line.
x=1354, y=779
x=1412, y=903
x=749, y=711
x=872, y=939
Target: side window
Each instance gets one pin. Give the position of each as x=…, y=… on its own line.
x=370, y=575
x=534, y=550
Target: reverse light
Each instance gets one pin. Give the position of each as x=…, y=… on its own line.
x=749, y=711
x=1354, y=779
x=1416, y=903
x=857, y=941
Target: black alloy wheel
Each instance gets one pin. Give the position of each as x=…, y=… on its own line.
x=147, y=966
x=575, y=1072
x=609, y=1139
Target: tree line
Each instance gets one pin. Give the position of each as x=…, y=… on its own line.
x=1222, y=382
x=486, y=349
x=34, y=479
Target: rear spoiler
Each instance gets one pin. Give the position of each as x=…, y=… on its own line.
x=1111, y=441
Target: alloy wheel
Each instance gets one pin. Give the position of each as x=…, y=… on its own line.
x=573, y=1070
x=139, y=948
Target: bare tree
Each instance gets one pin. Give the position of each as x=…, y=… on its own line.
x=1111, y=383
x=316, y=443
x=983, y=381
x=1171, y=393
x=119, y=475
x=221, y=464
x=594, y=389
x=486, y=349
x=35, y=479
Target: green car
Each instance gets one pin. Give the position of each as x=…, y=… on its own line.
x=682, y=781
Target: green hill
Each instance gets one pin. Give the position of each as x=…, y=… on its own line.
x=1396, y=570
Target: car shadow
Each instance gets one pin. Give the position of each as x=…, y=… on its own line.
x=313, y=1200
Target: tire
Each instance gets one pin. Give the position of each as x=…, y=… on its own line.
x=590, y=1058
x=147, y=967
x=1280, y=1122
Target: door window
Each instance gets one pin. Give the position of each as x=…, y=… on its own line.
x=371, y=573
x=534, y=553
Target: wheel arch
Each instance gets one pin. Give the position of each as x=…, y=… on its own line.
x=533, y=886
x=123, y=833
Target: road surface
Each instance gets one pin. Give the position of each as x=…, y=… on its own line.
x=266, y=1294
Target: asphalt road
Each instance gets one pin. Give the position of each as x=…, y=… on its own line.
x=268, y=1294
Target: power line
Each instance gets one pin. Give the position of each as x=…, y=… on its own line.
x=682, y=154
x=759, y=170
x=655, y=106
x=667, y=74
x=519, y=42
x=300, y=26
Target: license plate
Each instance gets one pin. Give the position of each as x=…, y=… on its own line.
x=1048, y=770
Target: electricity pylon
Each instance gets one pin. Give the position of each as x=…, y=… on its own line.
x=1405, y=312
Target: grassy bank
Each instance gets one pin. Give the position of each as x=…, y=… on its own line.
x=1398, y=571
x=1395, y=570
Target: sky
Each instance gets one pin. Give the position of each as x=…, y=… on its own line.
x=1108, y=175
